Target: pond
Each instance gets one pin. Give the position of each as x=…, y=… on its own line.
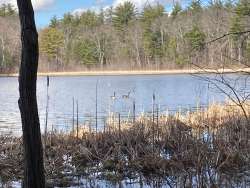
x=114, y=94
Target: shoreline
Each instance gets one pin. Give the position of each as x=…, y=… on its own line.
x=137, y=72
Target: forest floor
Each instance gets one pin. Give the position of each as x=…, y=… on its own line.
x=138, y=72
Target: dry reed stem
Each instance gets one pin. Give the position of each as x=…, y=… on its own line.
x=203, y=148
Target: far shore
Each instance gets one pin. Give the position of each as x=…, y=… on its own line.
x=138, y=72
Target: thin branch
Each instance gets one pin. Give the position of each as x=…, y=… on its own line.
x=227, y=34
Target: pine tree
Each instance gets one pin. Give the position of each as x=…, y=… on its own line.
x=123, y=15
x=68, y=19
x=236, y=27
x=243, y=8
x=196, y=38
x=51, y=40
x=54, y=22
x=151, y=13
x=239, y=24
x=3, y=10
x=176, y=9
x=152, y=37
x=10, y=10
x=86, y=52
x=89, y=19
x=101, y=17
x=195, y=6
x=229, y=4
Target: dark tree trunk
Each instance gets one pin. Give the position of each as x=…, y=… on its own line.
x=33, y=152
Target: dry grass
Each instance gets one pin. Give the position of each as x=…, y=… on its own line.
x=138, y=72
x=206, y=148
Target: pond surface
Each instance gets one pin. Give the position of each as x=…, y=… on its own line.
x=114, y=94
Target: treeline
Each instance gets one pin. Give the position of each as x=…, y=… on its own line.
x=9, y=39
x=124, y=37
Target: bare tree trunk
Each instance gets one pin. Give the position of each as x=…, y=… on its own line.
x=138, y=56
x=231, y=49
x=240, y=50
x=33, y=151
x=100, y=53
x=3, y=51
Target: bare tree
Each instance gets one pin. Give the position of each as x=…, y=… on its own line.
x=3, y=52
x=33, y=152
x=235, y=89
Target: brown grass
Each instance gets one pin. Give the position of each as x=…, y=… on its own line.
x=137, y=72
x=206, y=148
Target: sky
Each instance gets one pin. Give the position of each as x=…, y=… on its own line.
x=46, y=9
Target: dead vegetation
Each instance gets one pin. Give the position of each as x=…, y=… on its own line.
x=206, y=148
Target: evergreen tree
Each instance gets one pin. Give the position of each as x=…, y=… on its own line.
x=54, y=22
x=195, y=6
x=10, y=10
x=196, y=38
x=123, y=15
x=239, y=24
x=243, y=8
x=51, y=40
x=86, y=52
x=68, y=19
x=229, y=4
x=89, y=19
x=3, y=10
x=176, y=9
x=152, y=37
x=101, y=17
x=153, y=44
x=236, y=27
x=151, y=13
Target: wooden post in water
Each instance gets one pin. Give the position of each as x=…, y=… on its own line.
x=157, y=123
x=46, y=118
x=90, y=129
x=96, y=105
x=153, y=107
x=52, y=132
x=134, y=111
x=119, y=124
x=73, y=117
x=104, y=125
x=153, y=126
x=77, y=120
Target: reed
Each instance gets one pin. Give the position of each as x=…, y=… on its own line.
x=206, y=148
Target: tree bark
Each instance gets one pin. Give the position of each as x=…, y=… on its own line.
x=33, y=151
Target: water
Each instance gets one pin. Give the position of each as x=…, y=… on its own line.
x=171, y=92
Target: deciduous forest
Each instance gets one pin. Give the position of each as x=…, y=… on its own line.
x=125, y=38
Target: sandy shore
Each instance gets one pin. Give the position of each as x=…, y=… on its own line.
x=137, y=72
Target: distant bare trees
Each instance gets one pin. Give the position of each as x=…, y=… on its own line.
x=9, y=43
